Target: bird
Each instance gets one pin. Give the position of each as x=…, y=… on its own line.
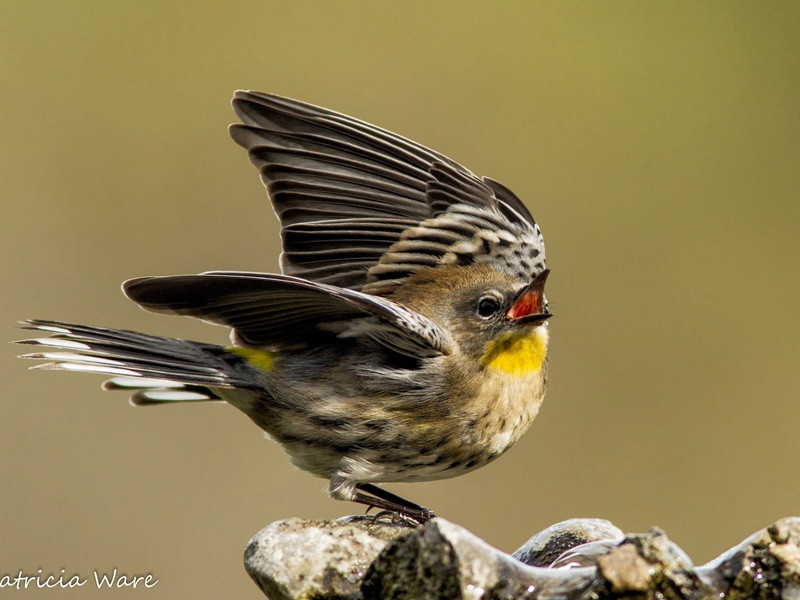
x=405, y=338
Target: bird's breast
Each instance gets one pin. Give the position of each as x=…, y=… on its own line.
x=512, y=388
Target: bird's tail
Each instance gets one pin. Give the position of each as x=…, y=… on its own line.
x=155, y=369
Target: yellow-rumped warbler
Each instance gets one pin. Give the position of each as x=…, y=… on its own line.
x=407, y=338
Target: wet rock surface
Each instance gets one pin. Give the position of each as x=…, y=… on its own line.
x=593, y=535
x=368, y=557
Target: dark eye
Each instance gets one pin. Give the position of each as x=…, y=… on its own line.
x=487, y=307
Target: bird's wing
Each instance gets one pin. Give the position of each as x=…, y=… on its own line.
x=278, y=310
x=346, y=191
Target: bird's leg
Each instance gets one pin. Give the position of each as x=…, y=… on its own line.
x=375, y=490
x=379, y=498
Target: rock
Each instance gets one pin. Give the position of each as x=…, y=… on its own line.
x=443, y=560
x=648, y=565
x=296, y=558
x=370, y=557
x=543, y=549
x=769, y=567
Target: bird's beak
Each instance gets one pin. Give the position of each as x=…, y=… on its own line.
x=528, y=308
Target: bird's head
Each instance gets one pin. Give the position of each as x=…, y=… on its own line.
x=493, y=319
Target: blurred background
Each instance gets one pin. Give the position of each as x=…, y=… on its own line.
x=657, y=144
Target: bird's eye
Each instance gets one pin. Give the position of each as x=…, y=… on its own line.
x=487, y=307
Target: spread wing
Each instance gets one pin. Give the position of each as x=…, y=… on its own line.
x=267, y=310
x=347, y=192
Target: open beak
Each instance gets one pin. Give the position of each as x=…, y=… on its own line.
x=528, y=308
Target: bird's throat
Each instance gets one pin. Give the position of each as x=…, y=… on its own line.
x=518, y=353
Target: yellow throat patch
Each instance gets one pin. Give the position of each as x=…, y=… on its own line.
x=262, y=359
x=518, y=354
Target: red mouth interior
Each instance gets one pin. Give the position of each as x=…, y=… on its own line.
x=527, y=304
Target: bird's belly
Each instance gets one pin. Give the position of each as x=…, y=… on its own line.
x=444, y=446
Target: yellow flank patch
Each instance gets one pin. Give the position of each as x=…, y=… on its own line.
x=262, y=359
x=517, y=354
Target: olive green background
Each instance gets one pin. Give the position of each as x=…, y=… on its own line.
x=657, y=144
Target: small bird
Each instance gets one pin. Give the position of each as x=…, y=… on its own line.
x=406, y=338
